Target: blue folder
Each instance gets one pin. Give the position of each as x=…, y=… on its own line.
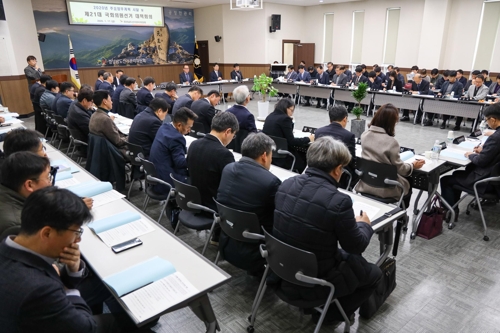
x=452, y=154
x=90, y=189
x=64, y=165
x=114, y=221
x=63, y=175
x=468, y=145
x=140, y=275
x=406, y=155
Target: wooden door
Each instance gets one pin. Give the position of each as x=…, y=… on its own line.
x=203, y=50
x=303, y=51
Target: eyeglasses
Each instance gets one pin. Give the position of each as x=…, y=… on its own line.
x=50, y=178
x=79, y=231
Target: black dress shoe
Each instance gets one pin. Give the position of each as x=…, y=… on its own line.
x=324, y=106
x=306, y=104
x=428, y=122
x=419, y=120
x=318, y=105
x=405, y=118
x=443, y=125
x=456, y=128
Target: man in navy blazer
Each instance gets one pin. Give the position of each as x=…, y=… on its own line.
x=186, y=77
x=116, y=95
x=291, y=75
x=205, y=109
x=339, y=78
x=374, y=82
x=358, y=76
x=107, y=84
x=448, y=87
x=145, y=94
x=146, y=124
x=194, y=94
x=170, y=94
x=236, y=73
x=419, y=86
x=336, y=129
x=168, y=152
x=303, y=76
x=99, y=80
x=246, y=120
x=38, y=294
x=216, y=74
x=323, y=78
x=67, y=90
x=116, y=79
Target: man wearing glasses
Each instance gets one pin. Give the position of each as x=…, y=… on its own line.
x=483, y=159
x=67, y=90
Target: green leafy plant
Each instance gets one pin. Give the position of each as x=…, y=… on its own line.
x=263, y=84
x=359, y=94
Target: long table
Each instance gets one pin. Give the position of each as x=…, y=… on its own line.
x=203, y=274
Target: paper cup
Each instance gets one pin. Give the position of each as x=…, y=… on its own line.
x=428, y=154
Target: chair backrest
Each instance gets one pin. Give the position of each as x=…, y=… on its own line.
x=126, y=110
x=186, y=193
x=286, y=260
x=374, y=173
x=235, y=145
x=133, y=152
x=150, y=171
x=234, y=222
x=59, y=119
x=281, y=144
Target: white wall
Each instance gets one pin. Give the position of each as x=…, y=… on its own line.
x=7, y=57
x=208, y=22
x=22, y=33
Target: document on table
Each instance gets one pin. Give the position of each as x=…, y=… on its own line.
x=106, y=197
x=458, y=155
x=359, y=206
x=159, y=296
x=150, y=287
x=67, y=182
x=13, y=121
x=64, y=165
x=101, y=192
x=120, y=227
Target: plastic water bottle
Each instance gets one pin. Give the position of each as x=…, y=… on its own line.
x=436, y=150
x=452, y=94
x=394, y=89
x=482, y=126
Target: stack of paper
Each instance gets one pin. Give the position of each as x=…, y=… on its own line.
x=358, y=206
x=453, y=154
x=65, y=179
x=64, y=165
x=150, y=287
x=470, y=145
x=121, y=227
x=101, y=192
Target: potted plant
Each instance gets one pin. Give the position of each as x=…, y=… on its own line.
x=358, y=125
x=263, y=84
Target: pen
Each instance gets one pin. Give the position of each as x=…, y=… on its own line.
x=361, y=213
x=479, y=145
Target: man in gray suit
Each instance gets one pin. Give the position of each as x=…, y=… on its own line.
x=339, y=79
x=477, y=91
x=32, y=71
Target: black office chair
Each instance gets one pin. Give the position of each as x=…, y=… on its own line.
x=151, y=180
x=51, y=125
x=281, y=151
x=135, y=153
x=298, y=267
x=235, y=145
x=62, y=132
x=189, y=200
x=492, y=193
x=126, y=110
x=238, y=225
x=80, y=148
x=197, y=131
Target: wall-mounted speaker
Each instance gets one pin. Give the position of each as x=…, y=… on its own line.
x=276, y=21
x=41, y=37
x=217, y=38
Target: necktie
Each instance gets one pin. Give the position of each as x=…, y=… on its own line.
x=475, y=91
x=187, y=77
x=418, y=86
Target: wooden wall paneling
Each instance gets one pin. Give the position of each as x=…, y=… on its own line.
x=15, y=95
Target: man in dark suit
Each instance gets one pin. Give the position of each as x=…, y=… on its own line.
x=236, y=74
x=461, y=78
x=79, y=115
x=100, y=79
x=381, y=75
x=145, y=94
x=358, y=76
x=483, y=159
x=291, y=75
x=208, y=156
x=216, y=74
x=194, y=94
x=168, y=152
x=67, y=90
x=374, y=82
x=401, y=77
x=336, y=129
x=246, y=120
x=418, y=87
x=471, y=81
x=116, y=95
x=339, y=78
x=170, y=94
x=247, y=185
x=324, y=79
x=186, y=77
x=32, y=71
x=305, y=77
x=128, y=99
x=449, y=87
x=330, y=71
x=116, y=80
x=146, y=124
x=205, y=109
x=313, y=72
x=107, y=84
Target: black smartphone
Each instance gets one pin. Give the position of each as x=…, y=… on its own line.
x=126, y=245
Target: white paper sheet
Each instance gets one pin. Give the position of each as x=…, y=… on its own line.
x=125, y=232
x=372, y=211
x=67, y=182
x=13, y=121
x=106, y=197
x=159, y=296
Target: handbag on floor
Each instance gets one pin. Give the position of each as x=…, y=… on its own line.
x=384, y=289
x=431, y=223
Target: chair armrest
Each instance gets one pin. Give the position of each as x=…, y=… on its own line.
x=359, y=173
x=200, y=207
x=284, y=152
x=307, y=279
x=157, y=180
x=263, y=251
x=487, y=180
x=251, y=235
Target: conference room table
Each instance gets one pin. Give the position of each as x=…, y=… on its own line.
x=380, y=214
x=198, y=270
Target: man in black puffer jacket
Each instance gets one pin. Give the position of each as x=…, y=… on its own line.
x=313, y=215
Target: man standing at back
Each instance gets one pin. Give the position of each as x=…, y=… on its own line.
x=248, y=185
x=246, y=120
x=32, y=71
x=208, y=156
x=194, y=93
